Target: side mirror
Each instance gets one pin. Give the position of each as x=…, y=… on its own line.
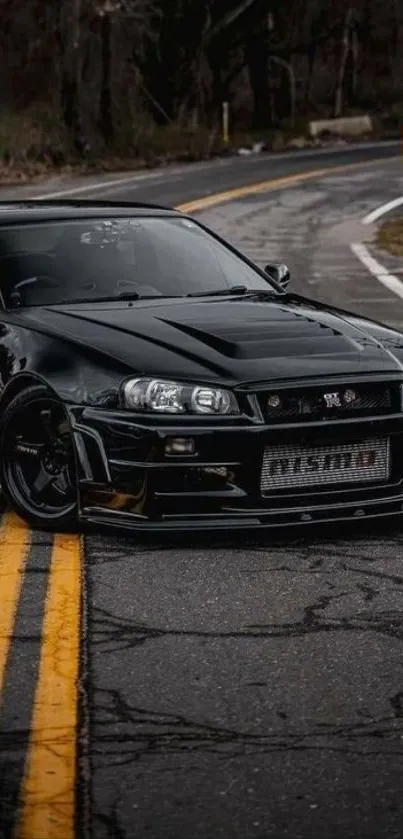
x=280, y=274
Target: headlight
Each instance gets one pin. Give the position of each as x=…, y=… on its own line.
x=173, y=398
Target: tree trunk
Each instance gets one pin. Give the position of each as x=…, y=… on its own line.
x=286, y=100
x=219, y=88
x=308, y=85
x=68, y=36
x=105, y=102
x=344, y=56
x=352, y=70
x=257, y=60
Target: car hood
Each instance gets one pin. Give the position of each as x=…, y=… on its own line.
x=236, y=340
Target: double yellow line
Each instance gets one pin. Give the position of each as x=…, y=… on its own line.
x=48, y=794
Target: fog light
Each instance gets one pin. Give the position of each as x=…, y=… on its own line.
x=179, y=445
x=274, y=401
x=218, y=471
x=350, y=396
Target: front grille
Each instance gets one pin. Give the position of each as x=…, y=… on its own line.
x=293, y=467
x=328, y=402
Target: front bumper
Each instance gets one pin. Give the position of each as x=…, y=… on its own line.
x=126, y=479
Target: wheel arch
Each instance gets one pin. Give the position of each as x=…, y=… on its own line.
x=18, y=384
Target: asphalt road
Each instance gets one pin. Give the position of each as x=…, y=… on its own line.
x=234, y=688
x=175, y=184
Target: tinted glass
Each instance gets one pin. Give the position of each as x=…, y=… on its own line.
x=73, y=261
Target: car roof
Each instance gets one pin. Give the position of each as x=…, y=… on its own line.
x=46, y=209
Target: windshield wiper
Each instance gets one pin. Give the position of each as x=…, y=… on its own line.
x=124, y=295
x=236, y=289
x=114, y=298
x=240, y=290
x=107, y=299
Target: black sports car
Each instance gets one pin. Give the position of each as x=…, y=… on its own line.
x=152, y=377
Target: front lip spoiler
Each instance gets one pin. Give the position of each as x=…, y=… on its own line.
x=255, y=520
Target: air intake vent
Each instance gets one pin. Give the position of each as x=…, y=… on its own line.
x=280, y=334
x=327, y=402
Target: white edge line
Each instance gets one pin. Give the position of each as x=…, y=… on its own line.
x=382, y=210
x=96, y=187
x=390, y=281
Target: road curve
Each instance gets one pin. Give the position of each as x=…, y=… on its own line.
x=235, y=689
x=176, y=184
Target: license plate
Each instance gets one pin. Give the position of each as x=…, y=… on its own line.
x=289, y=467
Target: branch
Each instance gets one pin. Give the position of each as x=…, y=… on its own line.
x=228, y=19
x=282, y=50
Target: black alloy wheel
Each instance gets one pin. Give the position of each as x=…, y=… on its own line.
x=37, y=459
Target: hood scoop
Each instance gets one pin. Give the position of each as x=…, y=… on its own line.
x=286, y=334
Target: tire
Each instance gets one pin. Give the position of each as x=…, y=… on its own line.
x=37, y=460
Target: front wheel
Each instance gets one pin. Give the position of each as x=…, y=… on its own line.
x=37, y=459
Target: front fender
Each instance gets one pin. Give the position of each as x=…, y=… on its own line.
x=77, y=374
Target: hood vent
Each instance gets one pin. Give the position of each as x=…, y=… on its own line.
x=285, y=334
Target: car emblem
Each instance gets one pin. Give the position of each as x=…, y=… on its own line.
x=332, y=400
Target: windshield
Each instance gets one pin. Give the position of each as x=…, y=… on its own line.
x=107, y=259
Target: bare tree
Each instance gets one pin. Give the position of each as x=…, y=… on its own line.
x=68, y=38
x=346, y=85
x=96, y=66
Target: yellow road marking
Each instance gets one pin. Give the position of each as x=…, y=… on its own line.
x=48, y=800
x=14, y=546
x=270, y=185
